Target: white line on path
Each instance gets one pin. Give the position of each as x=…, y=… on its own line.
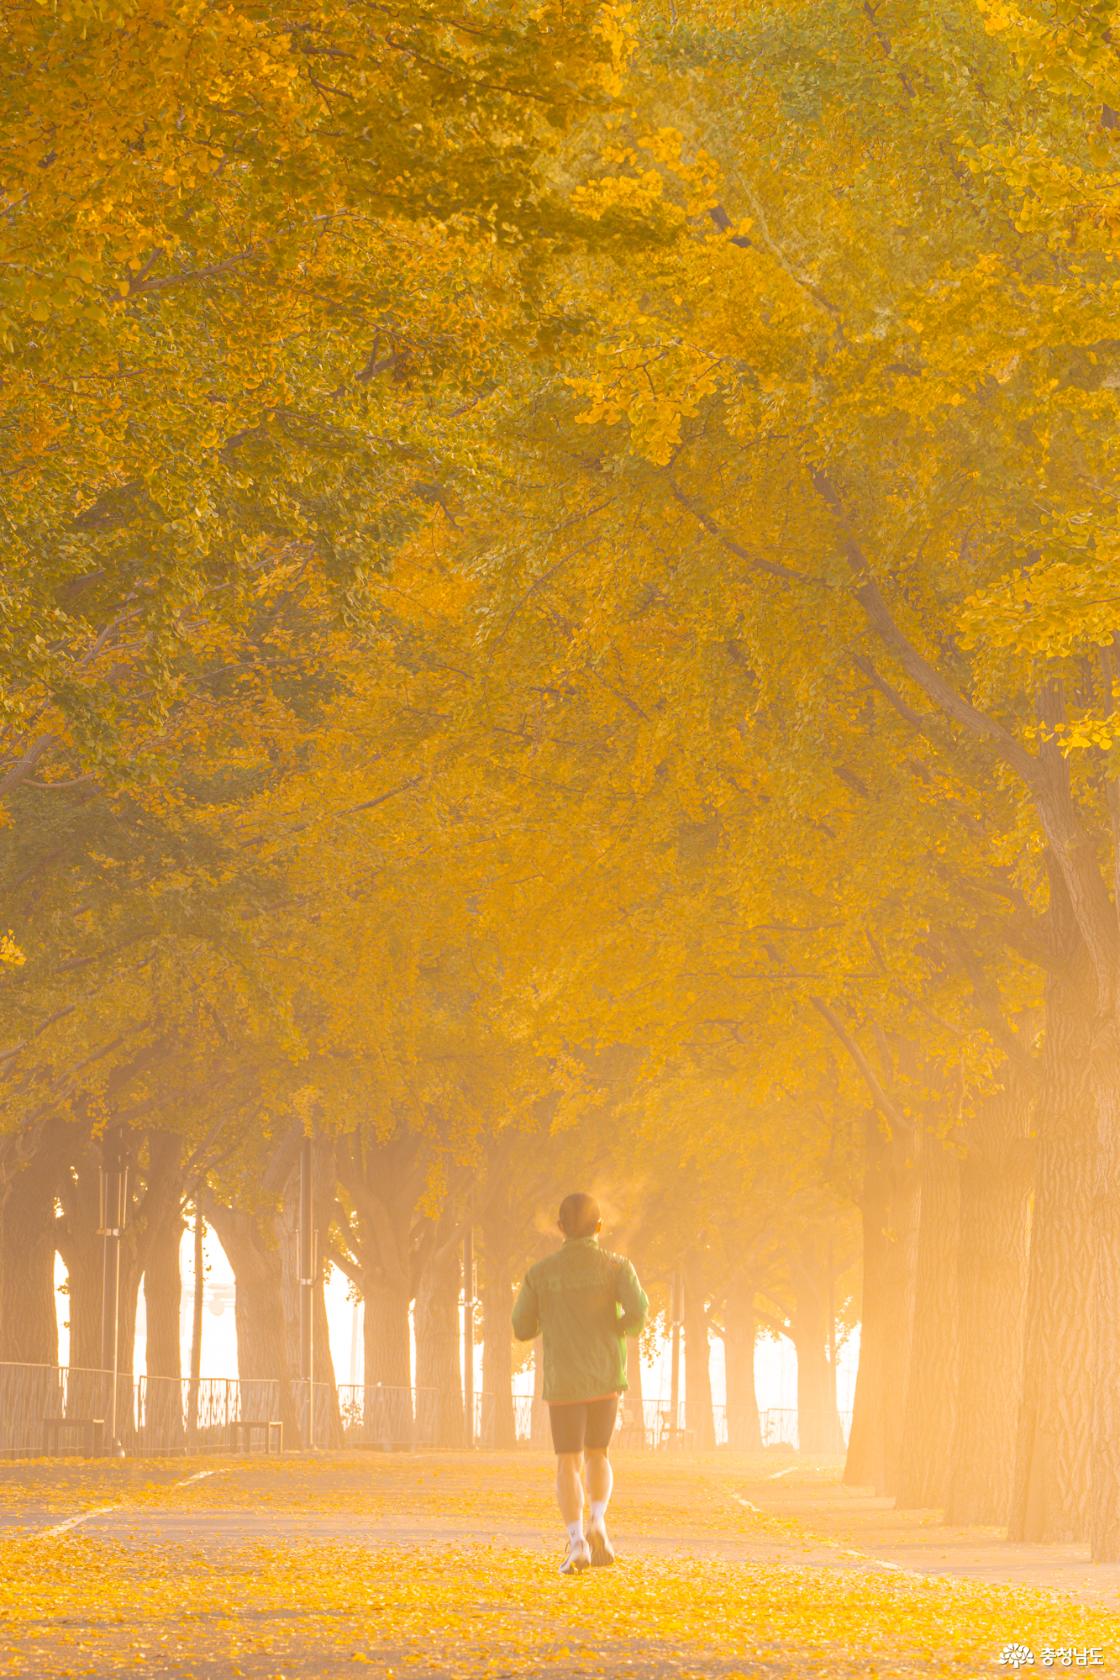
x=199, y=1476
x=103, y=1510
x=72, y=1522
x=882, y=1563
x=849, y=1551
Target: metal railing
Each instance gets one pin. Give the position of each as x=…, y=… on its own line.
x=375, y=1415
x=47, y=1408
x=168, y=1414
x=58, y=1408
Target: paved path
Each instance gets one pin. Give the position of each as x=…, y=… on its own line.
x=821, y=1522
x=238, y=1528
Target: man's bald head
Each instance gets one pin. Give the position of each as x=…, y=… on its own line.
x=579, y=1215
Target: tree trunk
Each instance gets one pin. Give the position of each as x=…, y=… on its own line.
x=1104, y=1511
x=900, y=1281
x=888, y=1206
x=697, y=1373
x=383, y=1180
x=739, y=1331
x=438, y=1354
x=818, y=1422
x=84, y=1282
x=163, y=1301
x=992, y=1284
x=251, y=1249
x=931, y=1387
x=386, y=1337
x=155, y=1247
x=81, y=1248
x=1051, y=1487
x=28, y=1315
x=497, y=1334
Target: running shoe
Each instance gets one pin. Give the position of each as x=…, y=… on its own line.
x=576, y=1558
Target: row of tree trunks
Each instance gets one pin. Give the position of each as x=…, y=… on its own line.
x=997, y=1423
x=949, y=1444
x=261, y=1250
x=149, y=1248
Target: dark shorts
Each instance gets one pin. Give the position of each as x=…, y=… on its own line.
x=577, y=1424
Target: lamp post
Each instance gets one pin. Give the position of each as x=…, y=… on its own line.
x=468, y=1333
x=113, y=1202
x=196, y=1316
x=308, y=1245
x=676, y=1313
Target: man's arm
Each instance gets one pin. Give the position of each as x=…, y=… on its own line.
x=526, y=1314
x=631, y=1297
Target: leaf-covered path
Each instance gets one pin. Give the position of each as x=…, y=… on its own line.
x=445, y=1566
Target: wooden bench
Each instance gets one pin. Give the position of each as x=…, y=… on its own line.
x=91, y=1429
x=242, y=1432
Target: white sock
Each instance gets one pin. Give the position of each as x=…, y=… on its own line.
x=598, y=1513
x=575, y=1530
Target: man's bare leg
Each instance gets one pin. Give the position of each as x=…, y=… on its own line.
x=569, y=1497
x=569, y=1489
x=600, y=1481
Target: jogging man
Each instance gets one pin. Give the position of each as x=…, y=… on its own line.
x=583, y=1300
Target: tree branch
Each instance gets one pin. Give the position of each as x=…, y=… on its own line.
x=918, y=668
x=889, y=1109
x=773, y=568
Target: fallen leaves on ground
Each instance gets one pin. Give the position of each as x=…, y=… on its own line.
x=91, y=1603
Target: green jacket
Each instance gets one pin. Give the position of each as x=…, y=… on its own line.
x=584, y=1301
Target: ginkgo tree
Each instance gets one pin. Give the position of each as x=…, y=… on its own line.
x=239, y=251
x=894, y=400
